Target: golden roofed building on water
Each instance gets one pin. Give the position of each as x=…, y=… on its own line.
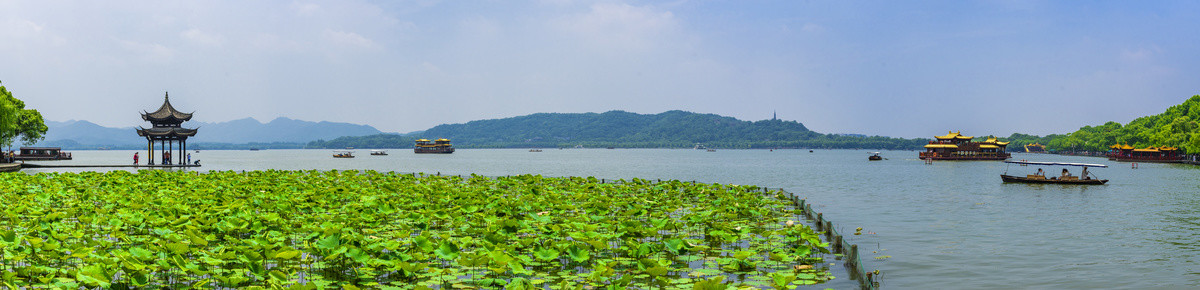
x=956, y=146
x=1035, y=148
x=1129, y=153
x=436, y=146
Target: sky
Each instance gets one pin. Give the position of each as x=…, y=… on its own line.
x=909, y=69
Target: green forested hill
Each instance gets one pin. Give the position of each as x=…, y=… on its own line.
x=675, y=129
x=1177, y=127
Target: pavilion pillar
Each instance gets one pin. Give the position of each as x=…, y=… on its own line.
x=171, y=143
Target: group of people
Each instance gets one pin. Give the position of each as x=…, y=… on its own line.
x=1065, y=173
x=166, y=157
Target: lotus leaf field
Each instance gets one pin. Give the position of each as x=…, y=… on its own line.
x=355, y=229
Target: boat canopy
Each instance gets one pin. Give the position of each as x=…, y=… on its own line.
x=1057, y=163
x=876, y=153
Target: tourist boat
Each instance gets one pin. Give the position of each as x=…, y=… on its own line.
x=42, y=154
x=435, y=146
x=699, y=147
x=1035, y=148
x=955, y=146
x=874, y=156
x=343, y=154
x=1040, y=177
x=378, y=152
x=1128, y=153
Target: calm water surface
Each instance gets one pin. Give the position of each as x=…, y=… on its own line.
x=948, y=225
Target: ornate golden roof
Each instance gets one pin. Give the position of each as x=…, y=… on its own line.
x=989, y=146
x=1148, y=149
x=949, y=135
x=941, y=146
x=422, y=140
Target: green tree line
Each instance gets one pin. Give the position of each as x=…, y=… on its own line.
x=1176, y=127
x=619, y=129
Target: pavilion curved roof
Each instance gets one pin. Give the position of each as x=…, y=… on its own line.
x=166, y=131
x=166, y=113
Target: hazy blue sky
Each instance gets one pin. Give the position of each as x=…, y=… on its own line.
x=896, y=68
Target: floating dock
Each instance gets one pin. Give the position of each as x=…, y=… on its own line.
x=10, y=167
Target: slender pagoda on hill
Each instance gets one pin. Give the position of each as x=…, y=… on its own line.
x=167, y=131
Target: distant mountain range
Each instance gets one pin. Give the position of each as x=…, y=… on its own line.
x=280, y=132
x=671, y=129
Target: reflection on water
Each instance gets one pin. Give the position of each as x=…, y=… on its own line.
x=946, y=225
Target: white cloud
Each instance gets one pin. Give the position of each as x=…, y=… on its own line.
x=348, y=39
x=305, y=9
x=621, y=26
x=149, y=52
x=812, y=27
x=1141, y=54
x=201, y=37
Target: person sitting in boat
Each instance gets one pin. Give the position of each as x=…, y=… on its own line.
x=1040, y=172
x=1066, y=173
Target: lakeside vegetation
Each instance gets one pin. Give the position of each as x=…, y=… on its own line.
x=672, y=129
x=350, y=229
x=1178, y=126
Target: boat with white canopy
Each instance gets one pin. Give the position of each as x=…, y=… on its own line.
x=1065, y=178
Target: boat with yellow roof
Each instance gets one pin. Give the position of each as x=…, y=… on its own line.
x=436, y=146
x=956, y=146
x=1153, y=154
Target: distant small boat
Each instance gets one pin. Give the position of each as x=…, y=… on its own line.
x=810, y=151
x=579, y=146
x=378, y=152
x=343, y=154
x=254, y=149
x=712, y=150
x=535, y=150
x=699, y=146
x=610, y=148
x=874, y=157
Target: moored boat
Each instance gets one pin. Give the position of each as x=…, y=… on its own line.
x=1035, y=148
x=436, y=146
x=1127, y=153
x=1066, y=177
x=42, y=154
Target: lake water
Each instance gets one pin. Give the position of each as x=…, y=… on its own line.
x=946, y=225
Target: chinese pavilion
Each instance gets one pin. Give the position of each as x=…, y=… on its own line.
x=1149, y=154
x=167, y=131
x=955, y=146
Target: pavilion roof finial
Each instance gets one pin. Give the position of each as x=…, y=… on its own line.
x=166, y=113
